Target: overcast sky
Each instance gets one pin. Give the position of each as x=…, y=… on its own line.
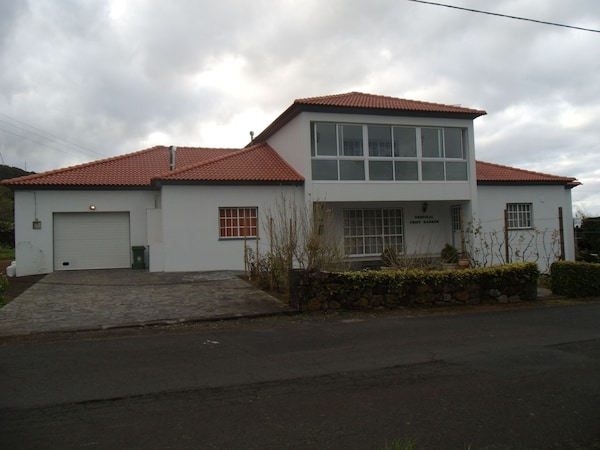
x=86, y=79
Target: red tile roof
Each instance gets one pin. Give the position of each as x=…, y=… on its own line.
x=361, y=100
x=489, y=173
x=141, y=169
x=360, y=103
x=259, y=163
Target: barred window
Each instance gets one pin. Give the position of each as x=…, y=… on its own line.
x=456, y=218
x=519, y=216
x=238, y=222
x=370, y=231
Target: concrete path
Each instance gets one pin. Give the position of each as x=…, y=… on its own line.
x=102, y=299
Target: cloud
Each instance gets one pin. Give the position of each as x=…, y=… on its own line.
x=113, y=77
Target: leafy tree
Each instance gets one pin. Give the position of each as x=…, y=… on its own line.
x=590, y=234
x=7, y=198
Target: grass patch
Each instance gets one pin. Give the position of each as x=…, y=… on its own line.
x=7, y=252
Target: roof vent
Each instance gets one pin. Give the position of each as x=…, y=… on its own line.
x=172, y=150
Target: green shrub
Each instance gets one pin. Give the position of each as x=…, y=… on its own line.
x=575, y=279
x=392, y=288
x=3, y=285
x=449, y=254
x=6, y=252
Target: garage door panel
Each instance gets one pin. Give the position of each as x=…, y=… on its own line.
x=91, y=241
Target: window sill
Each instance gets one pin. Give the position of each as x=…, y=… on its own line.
x=248, y=238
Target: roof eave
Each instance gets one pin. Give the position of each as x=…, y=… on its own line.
x=297, y=108
x=69, y=187
x=165, y=182
x=566, y=184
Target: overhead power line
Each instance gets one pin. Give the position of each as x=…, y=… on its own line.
x=41, y=137
x=45, y=144
x=506, y=16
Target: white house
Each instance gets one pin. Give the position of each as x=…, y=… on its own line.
x=395, y=173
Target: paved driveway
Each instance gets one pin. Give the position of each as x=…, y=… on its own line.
x=100, y=299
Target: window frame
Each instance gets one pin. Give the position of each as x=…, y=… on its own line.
x=324, y=165
x=231, y=228
x=518, y=217
x=366, y=228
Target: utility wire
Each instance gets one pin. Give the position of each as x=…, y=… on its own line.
x=53, y=139
x=40, y=143
x=507, y=16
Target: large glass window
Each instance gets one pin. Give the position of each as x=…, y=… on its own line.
x=326, y=141
x=433, y=170
x=352, y=170
x=431, y=142
x=324, y=169
x=381, y=170
x=405, y=142
x=380, y=141
x=407, y=170
x=394, y=153
x=456, y=171
x=370, y=231
x=351, y=140
x=442, y=143
x=453, y=146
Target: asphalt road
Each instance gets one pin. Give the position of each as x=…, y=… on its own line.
x=518, y=379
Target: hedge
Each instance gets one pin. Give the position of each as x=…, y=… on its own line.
x=575, y=279
x=311, y=290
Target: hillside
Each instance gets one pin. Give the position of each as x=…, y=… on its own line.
x=8, y=172
x=7, y=202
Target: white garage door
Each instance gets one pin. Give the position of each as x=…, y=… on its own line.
x=91, y=241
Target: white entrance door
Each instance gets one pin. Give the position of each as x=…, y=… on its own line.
x=457, y=227
x=94, y=240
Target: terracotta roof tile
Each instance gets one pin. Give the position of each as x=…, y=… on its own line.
x=259, y=163
x=141, y=168
x=489, y=173
x=358, y=102
x=361, y=100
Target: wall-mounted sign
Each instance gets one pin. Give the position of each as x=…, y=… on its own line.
x=417, y=220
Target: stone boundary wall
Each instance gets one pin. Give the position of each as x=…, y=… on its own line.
x=326, y=291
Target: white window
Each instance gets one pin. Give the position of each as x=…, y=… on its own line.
x=380, y=141
x=238, y=222
x=443, y=154
x=519, y=216
x=393, y=153
x=351, y=139
x=367, y=232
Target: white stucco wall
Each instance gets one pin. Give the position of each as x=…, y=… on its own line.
x=538, y=244
x=34, y=248
x=156, y=251
x=190, y=223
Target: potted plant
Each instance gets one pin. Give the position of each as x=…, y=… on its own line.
x=463, y=261
x=449, y=256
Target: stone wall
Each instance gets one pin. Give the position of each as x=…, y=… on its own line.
x=324, y=291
